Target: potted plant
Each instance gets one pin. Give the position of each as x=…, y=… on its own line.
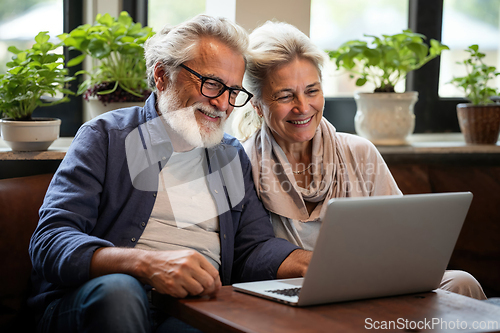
x=34, y=78
x=479, y=120
x=385, y=117
x=117, y=45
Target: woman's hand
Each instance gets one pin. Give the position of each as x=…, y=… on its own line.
x=295, y=265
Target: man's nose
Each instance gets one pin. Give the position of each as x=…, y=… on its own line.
x=222, y=102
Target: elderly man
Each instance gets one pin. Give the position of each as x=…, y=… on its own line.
x=157, y=197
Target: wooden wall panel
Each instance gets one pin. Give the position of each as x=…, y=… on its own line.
x=478, y=247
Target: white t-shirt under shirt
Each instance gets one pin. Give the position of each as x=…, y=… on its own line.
x=185, y=213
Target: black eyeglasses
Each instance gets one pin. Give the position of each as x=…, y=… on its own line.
x=213, y=88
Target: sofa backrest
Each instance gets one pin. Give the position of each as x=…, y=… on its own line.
x=20, y=200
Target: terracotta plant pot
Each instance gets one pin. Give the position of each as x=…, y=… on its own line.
x=480, y=124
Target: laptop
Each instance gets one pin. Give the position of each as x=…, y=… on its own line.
x=375, y=247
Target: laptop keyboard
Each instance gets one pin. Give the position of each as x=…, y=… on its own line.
x=287, y=292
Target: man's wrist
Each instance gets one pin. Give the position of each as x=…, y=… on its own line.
x=111, y=260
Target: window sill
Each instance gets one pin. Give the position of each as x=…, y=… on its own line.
x=419, y=144
x=444, y=148
x=440, y=143
x=55, y=152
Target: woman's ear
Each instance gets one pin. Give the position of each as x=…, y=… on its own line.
x=258, y=108
x=161, y=79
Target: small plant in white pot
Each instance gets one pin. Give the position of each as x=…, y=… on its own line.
x=479, y=120
x=385, y=117
x=117, y=46
x=35, y=77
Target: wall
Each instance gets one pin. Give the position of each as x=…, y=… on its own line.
x=477, y=250
x=251, y=14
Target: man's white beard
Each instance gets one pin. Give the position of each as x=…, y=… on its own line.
x=183, y=120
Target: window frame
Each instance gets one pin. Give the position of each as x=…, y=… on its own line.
x=70, y=113
x=137, y=9
x=432, y=113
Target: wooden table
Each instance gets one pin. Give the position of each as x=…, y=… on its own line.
x=232, y=311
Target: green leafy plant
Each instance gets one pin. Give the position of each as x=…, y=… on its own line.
x=388, y=60
x=475, y=83
x=32, y=77
x=118, y=45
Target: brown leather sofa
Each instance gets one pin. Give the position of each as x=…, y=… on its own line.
x=20, y=199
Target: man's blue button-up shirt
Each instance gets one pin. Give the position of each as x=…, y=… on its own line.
x=94, y=200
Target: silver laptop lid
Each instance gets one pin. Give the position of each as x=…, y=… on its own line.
x=383, y=246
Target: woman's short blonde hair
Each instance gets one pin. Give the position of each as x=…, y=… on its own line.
x=272, y=45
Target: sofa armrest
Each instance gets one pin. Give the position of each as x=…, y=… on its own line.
x=20, y=200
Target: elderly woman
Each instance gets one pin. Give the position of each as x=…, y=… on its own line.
x=299, y=160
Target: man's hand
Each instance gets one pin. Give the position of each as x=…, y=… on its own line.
x=182, y=273
x=295, y=265
x=177, y=273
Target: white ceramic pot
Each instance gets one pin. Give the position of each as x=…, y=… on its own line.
x=31, y=135
x=96, y=108
x=385, y=118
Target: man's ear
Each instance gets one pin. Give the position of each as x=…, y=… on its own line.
x=161, y=79
x=258, y=107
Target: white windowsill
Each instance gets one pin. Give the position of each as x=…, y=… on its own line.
x=56, y=151
x=439, y=143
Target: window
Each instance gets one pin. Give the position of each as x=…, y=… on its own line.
x=172, y=12
x=22, y=20
x=334, y=22
x=433, y=114
x=466, y=23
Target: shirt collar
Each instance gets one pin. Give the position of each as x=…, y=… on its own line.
x=156, y=129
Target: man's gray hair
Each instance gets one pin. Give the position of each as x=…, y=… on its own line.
x=174, y=46
x=272, y=45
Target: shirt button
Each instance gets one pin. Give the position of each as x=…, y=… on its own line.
x=133, y=239
x=143, y=224
x=154, y=195
x=164, y=158
x=224, y=236
x=216, y=191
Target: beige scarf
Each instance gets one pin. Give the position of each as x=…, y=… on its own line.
x=275, y=182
